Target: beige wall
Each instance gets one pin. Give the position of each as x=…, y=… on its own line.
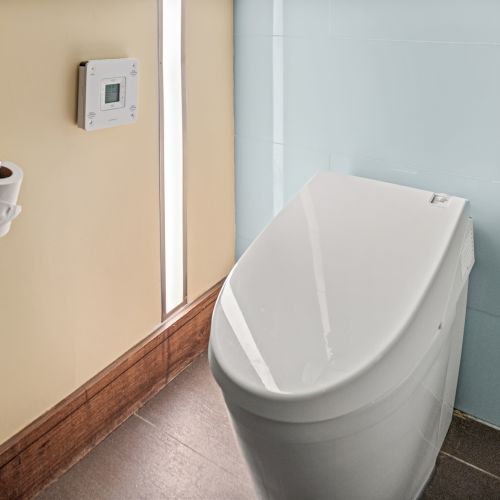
x=80, y=269
x=209, y=154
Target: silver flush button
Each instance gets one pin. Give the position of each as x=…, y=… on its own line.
x=440, y=199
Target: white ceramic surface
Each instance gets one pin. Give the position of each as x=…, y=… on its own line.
x=336, y=339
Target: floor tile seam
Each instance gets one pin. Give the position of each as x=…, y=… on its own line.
x=187, y=446
x=479, y=469
x=140, y=417
x=202, y=455
x=466, y=416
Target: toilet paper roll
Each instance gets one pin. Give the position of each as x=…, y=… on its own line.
x=11, y=177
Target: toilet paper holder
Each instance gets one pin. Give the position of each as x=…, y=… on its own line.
x=11, y=177
x=8, y=212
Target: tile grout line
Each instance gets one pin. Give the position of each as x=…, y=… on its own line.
x=201, y=455
x=470, y=465
x=466, y=416
x=361, y=39
x=145, y=420
x=186, y=445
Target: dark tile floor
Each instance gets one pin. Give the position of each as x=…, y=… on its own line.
x=180, y=446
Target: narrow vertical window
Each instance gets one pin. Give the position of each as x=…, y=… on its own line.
x=172, y=154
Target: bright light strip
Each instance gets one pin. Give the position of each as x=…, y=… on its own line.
x=173, y=155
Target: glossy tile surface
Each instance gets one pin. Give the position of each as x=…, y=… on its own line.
x=479, y=367
x=253, y=17
x=462, y=21
x=308, y=106
x=411, y=104
x=254, y=186
x=181, y=447
x=300, y=165
x=254, y=108
x=404, y=91
x=310, y=18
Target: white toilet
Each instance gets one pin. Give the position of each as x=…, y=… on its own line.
x=337, y=337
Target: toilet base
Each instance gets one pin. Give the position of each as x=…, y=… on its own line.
x=426, y=483
x=386, y=450
x=285, y=465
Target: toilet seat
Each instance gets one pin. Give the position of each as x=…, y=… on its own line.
x=320, y=299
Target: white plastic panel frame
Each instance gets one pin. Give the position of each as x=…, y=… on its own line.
x=95, y=110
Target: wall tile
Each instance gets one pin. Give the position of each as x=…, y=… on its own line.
x=373, y=168
x=242, y=244
x=306, y=18
x=300, y=166
x=253, y=17
x=423, y=106
x=479, y=374
x=307, y=106
x=256, y=183
x=445, y=20
x=254, y=90
x=254, y=186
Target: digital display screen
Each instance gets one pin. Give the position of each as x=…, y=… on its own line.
x=112, y=93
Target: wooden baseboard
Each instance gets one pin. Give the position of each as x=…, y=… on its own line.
x=44, y=450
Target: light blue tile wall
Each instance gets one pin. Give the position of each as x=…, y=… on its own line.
x=406, y=91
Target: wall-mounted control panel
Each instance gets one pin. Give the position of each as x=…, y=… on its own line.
x=107, y=93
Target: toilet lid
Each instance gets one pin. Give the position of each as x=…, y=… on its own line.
x=330, y=284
